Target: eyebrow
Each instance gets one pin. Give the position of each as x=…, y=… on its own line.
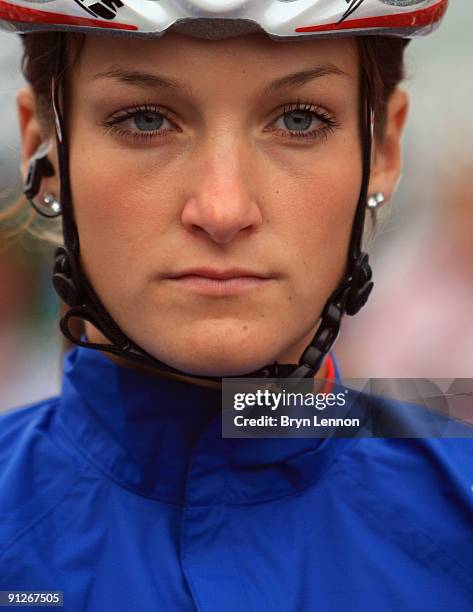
x=149, y=80
x=297, y=79
x=141, y=79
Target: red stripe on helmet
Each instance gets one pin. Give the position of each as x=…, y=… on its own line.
x=420, y=18
x=9, y=12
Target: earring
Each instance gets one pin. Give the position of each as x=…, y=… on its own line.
x=50, y=201
x=375, y=200
x=50, y=207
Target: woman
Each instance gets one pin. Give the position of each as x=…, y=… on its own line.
x=217, y=180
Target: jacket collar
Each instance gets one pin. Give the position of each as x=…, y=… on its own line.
x=162, y=438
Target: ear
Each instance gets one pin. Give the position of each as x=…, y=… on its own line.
x=32, y=135
x=386, y=162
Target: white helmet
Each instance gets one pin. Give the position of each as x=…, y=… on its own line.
x=278, y=18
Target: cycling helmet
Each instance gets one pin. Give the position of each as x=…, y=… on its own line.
x=278, y=18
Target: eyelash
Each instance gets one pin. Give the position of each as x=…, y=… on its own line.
x=113, y=124
x=331, y=124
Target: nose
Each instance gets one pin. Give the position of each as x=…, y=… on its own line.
x=221, y=204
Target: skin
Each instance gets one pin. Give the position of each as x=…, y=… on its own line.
x=225, y=185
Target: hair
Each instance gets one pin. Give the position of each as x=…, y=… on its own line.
x=381, y=64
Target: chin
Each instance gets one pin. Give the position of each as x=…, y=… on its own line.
x=216, y=359
x=217, y=369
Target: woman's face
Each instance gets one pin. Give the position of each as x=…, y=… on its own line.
x=221, y=155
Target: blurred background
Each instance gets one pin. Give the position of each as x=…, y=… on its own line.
x=419, y=319
x=30, y=343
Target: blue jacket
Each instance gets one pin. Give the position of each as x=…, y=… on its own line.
x=123, y=494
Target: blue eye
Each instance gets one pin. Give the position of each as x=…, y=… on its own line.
x=305, y=120
x=298, y=120
x=140, y=122
x=148, y=121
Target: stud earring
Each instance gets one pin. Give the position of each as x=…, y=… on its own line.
x=50, y=207
x=376, y=200
x=50, y=201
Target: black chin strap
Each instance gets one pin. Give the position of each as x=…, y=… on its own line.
x=75, y=290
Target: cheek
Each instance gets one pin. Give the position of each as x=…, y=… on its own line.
x=317, y=202
x=121, y=211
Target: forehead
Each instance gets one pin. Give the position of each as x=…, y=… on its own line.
x=248, y=59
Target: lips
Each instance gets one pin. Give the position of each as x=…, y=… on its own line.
x=220, y=274
x=211, y=282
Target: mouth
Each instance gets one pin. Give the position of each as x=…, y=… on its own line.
x=210, y=281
